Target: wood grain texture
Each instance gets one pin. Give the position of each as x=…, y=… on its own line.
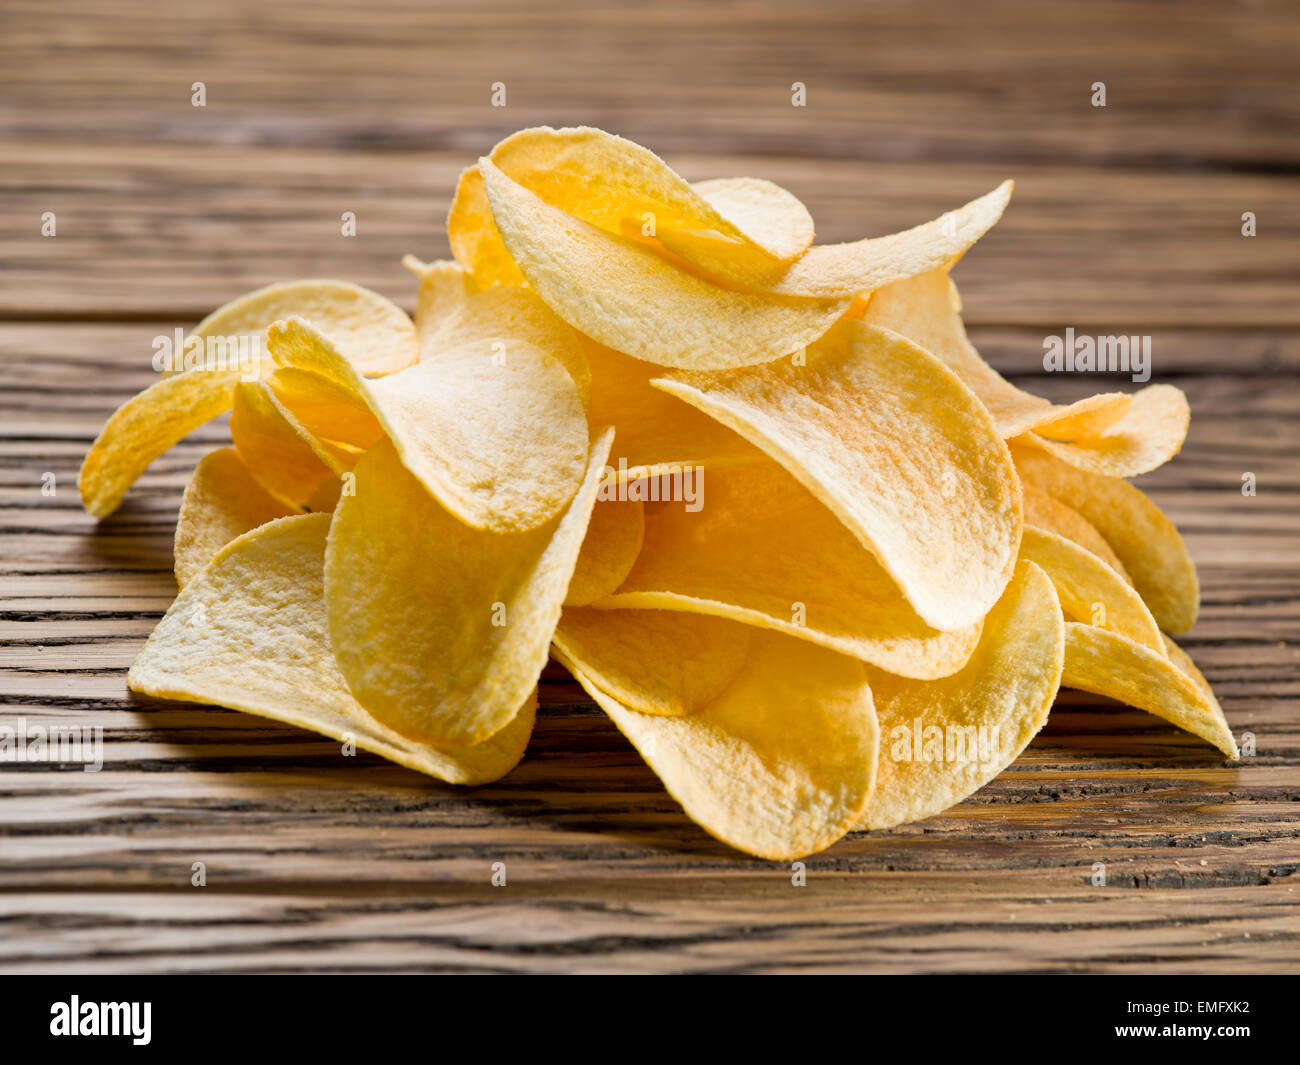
x=1125, y=219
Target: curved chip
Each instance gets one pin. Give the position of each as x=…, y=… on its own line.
x=609, y=549
x=771, y=215
x=499, y=437
x=249, y=633
x=275, y=448
x=616, y=184
x=763, y=550
x=898, y=448
x=653, y=661
x=657, y=432
x=1051, y=515
x=1089, y=590
x=942, y=740
x=332, y=414
x=830, y=271
x=781, y=764
x=1147, y=542
x=373, y=333
x=1150, y=431
x=445, y=286
x=441, y=630
x=221, y=502
x=629, y=298
x=509, y=315
x=1108, y=664
x=1112, y=433
x=144, y=427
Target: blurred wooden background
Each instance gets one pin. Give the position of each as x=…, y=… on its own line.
x=1126, y=219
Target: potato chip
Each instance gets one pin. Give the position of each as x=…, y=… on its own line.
x=1051, y=515
x=781, y=764
x=249, y=633
x=474, y=237
x=1112, y=433
x=771, y=216
x=653, y=661
x=222, y=501
x=898, y=448
x=942, y=740
x=657, y=433
x=762, y=549
x=1108, y=664
x=1148, y=434
x=280, y=454
x=440, y=629
x=1089, y=590
x=373, y=333
x=332, y=414
x=830, y=271
x=444, y=288
x=500, y=442
x=629, y=298
x=144, y=427
x=615, y=184
x=1146, y=541
x=925, y=309
x=609, y=550
x=451, y=315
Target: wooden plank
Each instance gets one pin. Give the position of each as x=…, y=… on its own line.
x=1207, y=83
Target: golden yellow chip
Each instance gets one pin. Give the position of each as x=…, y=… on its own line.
x=1089, y=590
x=374, y=334
x=1112, y=433
x=445, y=286
x=1146, y=541
x=762, y=549
x=631, y=299
x=653, y=661
x=506, y=315
x=280, y=454
x=144, y=427
x=499, y=438
x=829, y=271
x=769, y=214
x=1108, y=664
x=1148, y=433
x=333, y=414
x=441, y=630
x=781, y=764
x=942, y=740
x=249, y=633
x=900, y=451
x=1051, y=515
x=609, y=550
x=618, y=186
x=222, y=501
x=657, y=433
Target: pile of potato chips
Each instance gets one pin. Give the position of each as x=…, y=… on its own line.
x=818, y=561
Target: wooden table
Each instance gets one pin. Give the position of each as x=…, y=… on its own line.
x=1126, y=219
